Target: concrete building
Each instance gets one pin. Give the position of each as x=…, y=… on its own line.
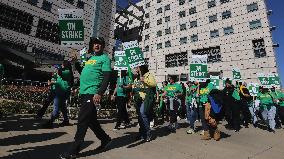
x=31, y=26
x=233, y=33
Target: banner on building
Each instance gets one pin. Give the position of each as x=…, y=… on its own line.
x=215, y=81
x=133, y=54
x=236, y=74
x=71, y=27
x=253, y=89
x=120, y=60
x=198, y=68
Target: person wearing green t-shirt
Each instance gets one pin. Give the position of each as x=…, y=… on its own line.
x=208, y=121
x=172, y=92
x=94, y=79
x=191, y=105
x=267, y=108
x=62, y=88
x=162, y=107
x=275, y=95
x=120, y=97
x=279, y=96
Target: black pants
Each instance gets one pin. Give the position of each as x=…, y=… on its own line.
x=87, y=119
x=281, y=114
x=122, y=114
x=245, y=112
x=46, y=103
x=233, y=114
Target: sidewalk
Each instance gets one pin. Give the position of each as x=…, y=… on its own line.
x=21, y=137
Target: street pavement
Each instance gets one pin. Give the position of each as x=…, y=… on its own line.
x=21, y=137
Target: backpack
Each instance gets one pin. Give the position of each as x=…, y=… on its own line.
x=216, y=107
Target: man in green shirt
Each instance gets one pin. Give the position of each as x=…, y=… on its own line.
x=276, y=95
x=94, y=80
x=120, y=97
x=191, y=105
x=267, y=108
x=173, y=91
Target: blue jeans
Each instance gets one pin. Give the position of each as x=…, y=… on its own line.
x=59, y=103
x=146, y=130
x=190, y=114
x=269, y=116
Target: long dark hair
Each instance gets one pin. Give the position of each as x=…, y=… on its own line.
x=143, y=69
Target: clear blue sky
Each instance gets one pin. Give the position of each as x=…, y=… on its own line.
x=276, y=19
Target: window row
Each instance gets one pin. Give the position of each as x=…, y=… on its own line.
x=48, y=31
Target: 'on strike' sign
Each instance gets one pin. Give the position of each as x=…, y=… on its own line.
x=71, y=27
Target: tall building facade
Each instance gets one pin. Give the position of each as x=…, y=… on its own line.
x=233, y=33
x=31, y=26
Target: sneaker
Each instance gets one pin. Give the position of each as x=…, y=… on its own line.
x=190, y=131
x=201, y=132
x=121, y=126
x=151, y=124
x=178, y=118
x=148, y=138
x=67, y=156
x=104, y=145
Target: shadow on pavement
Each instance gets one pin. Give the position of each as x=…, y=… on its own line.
x=30, y=138
x=42, y=152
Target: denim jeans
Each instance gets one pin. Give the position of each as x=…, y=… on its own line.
x=59, y=103
x=252, y=111
x=269, y=116
x=190, y=114
x=146, y=122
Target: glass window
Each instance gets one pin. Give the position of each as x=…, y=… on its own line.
x=182, y=27
x=224, y=1
x=159, y=1
x=252, y=7
x=182, y=14
x=167, y=31
x=146, y=48
x=147, y=25
x=211, y=4
x=130, y=22
x=159, y=33
x=183, y=40
x=80, y=4
x=159, y=21
x=70, y=1
x=255, y=24
x=193, y=24
x=33, y=2
x=159, y=46
x=228, y=30
x=167, y=19
x=46, y=5
x=147, y=15
x=192, y=10
x=214, y=34
x=147, y=5
x=168, y=44
x=168, y=7
x=147, y=37
x=159, y=10
x=181, y=2
x=194, y=38
x=213, y=18
x=259, y=48
x=226, y=15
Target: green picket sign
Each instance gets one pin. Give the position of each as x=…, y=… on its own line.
x=215, y=81
x=236, y=75
x=253, y=89
x=135, y=57
x=120, y=60
x=198, y=71
x=264, y=81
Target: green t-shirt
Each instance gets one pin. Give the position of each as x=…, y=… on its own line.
x=92, y=74
x=277, y=95
x=190, y=94
x=204, y=92
x=67, y=76
x=171, y=89
x=266, y=100
x=61, y=86
x=236, y=94
x=121, y=92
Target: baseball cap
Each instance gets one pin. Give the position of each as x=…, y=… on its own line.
x=98, y=40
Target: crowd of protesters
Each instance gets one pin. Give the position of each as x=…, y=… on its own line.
x=193, y=101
